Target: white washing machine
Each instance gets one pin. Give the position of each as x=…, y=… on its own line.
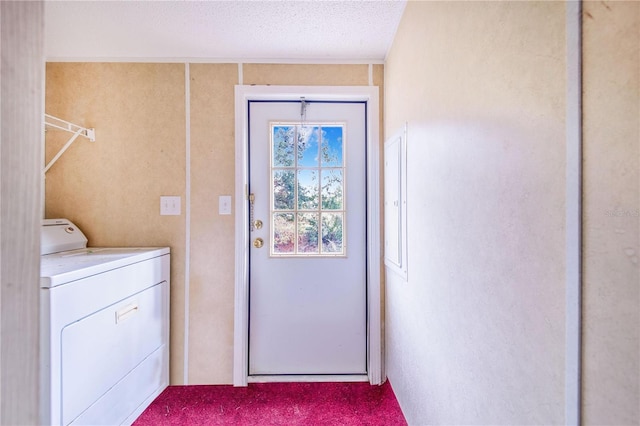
x=104, y=328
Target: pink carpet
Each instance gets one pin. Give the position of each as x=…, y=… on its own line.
x=343, y=404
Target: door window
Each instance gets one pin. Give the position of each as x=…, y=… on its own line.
x=307, y=187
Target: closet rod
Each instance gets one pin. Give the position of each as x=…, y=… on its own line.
x=59, y=123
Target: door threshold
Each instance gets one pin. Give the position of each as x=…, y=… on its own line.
x=308, y=378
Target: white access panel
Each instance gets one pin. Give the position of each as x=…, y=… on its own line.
x=395, y=204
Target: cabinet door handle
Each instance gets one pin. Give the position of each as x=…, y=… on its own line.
x=126, y=312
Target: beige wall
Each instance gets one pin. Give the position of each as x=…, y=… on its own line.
x=111, y=188
x=476, y=335
x=306, y=75
x=212, y=236
x=611, y=327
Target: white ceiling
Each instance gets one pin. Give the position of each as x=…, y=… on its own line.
x=285, y=30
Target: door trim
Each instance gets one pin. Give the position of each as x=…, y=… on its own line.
x=241, y=312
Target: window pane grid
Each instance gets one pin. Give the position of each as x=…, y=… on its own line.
x=307, y=181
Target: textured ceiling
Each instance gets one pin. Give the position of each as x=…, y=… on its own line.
x=221, y=30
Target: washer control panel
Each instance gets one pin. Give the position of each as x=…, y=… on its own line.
x=60, y=235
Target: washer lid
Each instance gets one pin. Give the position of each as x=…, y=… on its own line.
x=60, y=235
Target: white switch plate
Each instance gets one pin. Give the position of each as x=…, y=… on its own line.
x=170, y=205
x=224, y=206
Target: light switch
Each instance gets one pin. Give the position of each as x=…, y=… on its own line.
x=224, y=206
x=170, y=205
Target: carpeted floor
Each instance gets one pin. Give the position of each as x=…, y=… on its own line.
x=344, y=404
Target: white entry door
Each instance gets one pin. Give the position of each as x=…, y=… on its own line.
x=307, y=266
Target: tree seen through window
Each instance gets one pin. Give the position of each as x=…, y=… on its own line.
x=307, y=175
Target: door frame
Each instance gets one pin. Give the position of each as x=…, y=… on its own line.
x=370, y=94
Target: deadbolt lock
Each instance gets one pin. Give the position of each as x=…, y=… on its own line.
x=258, y=242
x=257, y=223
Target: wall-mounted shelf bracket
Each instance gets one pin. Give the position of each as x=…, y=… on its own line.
x=60, y=124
